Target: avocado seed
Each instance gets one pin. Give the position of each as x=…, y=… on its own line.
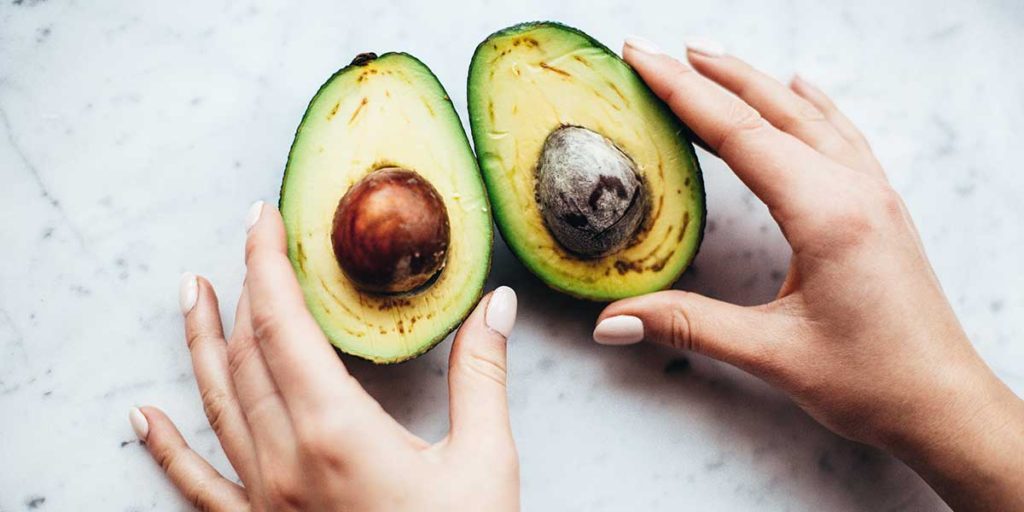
x=592, y=199
x=390, y=232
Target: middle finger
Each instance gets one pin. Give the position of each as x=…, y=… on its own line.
x=206, y=344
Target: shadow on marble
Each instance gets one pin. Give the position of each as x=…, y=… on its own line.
x=756, y=418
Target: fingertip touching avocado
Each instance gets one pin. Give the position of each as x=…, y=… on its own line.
x=593, y=181
x=388, y=224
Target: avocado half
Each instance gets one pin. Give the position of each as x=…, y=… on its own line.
x=553, y=112
x=370, y=122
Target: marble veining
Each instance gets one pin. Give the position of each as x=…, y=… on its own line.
x=133, y=136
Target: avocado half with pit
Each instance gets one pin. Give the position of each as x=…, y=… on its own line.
x=387, y=217
x=593, y=181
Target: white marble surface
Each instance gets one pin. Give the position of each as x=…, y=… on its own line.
x=133, y=135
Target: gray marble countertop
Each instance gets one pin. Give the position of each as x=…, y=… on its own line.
x=134, y=135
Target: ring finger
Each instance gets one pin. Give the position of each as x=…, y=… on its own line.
x=843, y=125
x=205, y=338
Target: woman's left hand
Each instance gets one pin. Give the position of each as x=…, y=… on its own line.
x=299, y=430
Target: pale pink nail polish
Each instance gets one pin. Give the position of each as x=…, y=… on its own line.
x=139, y=423
x=704, y=46
x=501, y=311
x=188, y=292
x=619, y=330
x=254, y=215
x=643, y=45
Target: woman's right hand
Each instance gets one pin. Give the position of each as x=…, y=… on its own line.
x=861, y=334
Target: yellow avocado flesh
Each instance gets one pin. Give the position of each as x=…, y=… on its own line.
x=529, y=80
x=388, y=112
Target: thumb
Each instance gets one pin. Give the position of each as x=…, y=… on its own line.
x=742, y=336
x=477, y=370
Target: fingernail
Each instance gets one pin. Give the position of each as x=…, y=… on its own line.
x=501, y=311
x=705, y=46
x=643, y=45
x=254, y=215
x=139, y=423
x=188, y=292
x=619, y=330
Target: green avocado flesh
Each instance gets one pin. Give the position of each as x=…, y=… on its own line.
x=529, y=80
x=381, y=112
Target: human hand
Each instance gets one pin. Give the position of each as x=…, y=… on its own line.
x=860, y=335
x=302, y=434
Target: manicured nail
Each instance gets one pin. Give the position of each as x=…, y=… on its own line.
x=139, y=423
x=501, y=311
x=705, y=46
x=254, y=215
x=643, y=45
x=188, y=292
x=619, y=330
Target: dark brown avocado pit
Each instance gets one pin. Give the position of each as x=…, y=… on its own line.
x=591, y=196
x=390, y=232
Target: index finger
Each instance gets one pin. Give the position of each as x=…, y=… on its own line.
x=777, y=167
x=301, y=360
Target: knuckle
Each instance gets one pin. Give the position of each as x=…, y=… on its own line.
x=239, y=353
x=890, y=202
x=746, y=87
x=484, y=366
x=317, y=440
x=844, y=220
x=200, y=495
x=284, y=491
x=195, y=337
x=825, y=103
x=743, y=122
x=215, y=405
x=803, y=114
x=834, y=145
x=850, y=221
x=265, y=324
x=681, y=326
x=849, y=225
x=674, y=84
x=169, y=458
x=315, y=436
x=811, y=126
x=323, y=453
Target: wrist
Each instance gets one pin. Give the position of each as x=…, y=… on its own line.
x=951, y=406
x=968, y=445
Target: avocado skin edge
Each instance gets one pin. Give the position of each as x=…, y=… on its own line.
x=444, y=332
x=684, y=131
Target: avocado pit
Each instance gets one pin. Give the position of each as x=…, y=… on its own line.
x=591, y=196
x=390, y=232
